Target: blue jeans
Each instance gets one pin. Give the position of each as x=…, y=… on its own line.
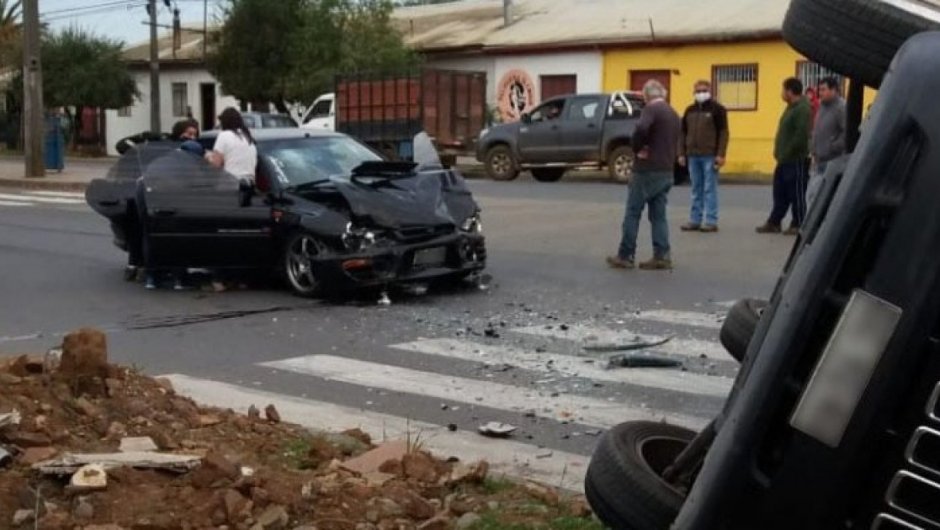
x=704, y=176
x=647, y=188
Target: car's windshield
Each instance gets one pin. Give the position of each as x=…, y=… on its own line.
x=277, y=121
x=301, y=160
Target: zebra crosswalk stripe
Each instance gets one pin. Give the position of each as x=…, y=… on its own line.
x=587, y=334
x=39, y=199
x=506, y=457
x=564, y=407
x=682, y=318
x=571, y=366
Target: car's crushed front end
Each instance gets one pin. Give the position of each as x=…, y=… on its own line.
x=417, y=254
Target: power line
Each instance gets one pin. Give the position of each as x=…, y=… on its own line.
x=110, y=3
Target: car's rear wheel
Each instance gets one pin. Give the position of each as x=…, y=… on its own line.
x=548, y=174
x=856, y=38
x=301, y=251
x=624, y=483
x=620, y=164
x=500, y=164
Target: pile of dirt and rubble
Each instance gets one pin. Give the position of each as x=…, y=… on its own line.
x=87, y=444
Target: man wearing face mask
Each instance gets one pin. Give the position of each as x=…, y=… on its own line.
x=702, y=147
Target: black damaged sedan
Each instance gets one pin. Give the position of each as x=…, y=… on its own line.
x=324, y=211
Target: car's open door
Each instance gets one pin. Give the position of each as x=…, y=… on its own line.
x=197, y=216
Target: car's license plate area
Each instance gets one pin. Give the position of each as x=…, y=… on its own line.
x=845, y=367
x=430, y=257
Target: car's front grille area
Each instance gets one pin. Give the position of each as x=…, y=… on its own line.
x=913, y=495
x=418, y=234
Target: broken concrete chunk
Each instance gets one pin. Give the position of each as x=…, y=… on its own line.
x=5, y=457
x=137, y=444
x=496, y=429
x=70, y=463
x=90, y=477
x=272, y=415
x=271, y=519
x=9, y=379
x=21, y=517
x=8, y=419
x=33, y=455
x=371, y=461
x=467, y=520
x=253, y=412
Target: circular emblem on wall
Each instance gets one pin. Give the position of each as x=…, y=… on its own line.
x=515, y=94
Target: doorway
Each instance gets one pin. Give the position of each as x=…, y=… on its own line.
x=207, y=100
x=638, y=78
x=558, y=85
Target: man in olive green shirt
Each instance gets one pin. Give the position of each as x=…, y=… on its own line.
x=791, y=150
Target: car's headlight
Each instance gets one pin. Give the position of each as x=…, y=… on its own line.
x=357, y=239
x=484, y=132
x=473, y=224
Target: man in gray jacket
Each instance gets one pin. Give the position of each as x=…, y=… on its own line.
x=828, y=133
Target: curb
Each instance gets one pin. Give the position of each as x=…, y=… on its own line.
x=40, y=184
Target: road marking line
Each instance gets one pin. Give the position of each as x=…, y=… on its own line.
x=505, y=456
x=48, y=200
x=572, y=366
x=585, y=334
x=682, y=318
x=62, y=194
x=565, y=407
x=11, y=203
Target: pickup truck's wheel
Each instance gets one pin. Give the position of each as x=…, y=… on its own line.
x=739, y=326
x=548, y=174
x=620, y=164
x=856, y=38
x=500, y=164
x=624, y=483
x=299, y=254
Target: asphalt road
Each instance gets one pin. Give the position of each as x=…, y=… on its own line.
x=423, y=363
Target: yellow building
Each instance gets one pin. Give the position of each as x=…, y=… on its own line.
x=746, y=76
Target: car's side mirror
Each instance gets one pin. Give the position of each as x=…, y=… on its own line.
x=245, y=190
x=526, y=117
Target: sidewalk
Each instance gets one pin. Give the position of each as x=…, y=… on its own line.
x=77, y=174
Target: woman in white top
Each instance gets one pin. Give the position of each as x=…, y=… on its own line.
x=234, y=148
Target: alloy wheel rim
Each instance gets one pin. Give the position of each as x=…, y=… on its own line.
x=501, y=164
x=300, y=258
x=622, y=166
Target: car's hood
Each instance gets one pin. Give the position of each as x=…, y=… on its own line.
x=431, y=198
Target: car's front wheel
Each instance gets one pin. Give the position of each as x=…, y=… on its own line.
x=300, y=253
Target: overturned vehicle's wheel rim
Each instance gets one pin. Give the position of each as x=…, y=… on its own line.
x=299, y=256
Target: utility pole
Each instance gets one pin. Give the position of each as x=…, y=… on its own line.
x=154, y=70
x=32, y=91
x=205, y=28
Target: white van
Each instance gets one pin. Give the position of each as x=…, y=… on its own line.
x=322, y=114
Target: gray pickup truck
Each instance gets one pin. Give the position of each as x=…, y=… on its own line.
x=578, y=130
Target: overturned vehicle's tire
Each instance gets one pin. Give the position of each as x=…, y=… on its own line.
x=856, y=38
x=739, y=326
x=624, y=483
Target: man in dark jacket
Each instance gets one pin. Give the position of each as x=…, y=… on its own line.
x=702, y=147
x=654, y=143
x=791, y=150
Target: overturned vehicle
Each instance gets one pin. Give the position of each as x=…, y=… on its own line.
x=324, y=211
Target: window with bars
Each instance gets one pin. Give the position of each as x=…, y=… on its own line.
x=811, y=74
x=180, y=100
x=735, y=85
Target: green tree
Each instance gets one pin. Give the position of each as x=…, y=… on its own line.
x=291, y=50
x=80, y=69
x=254, y=52
x=10, y=32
